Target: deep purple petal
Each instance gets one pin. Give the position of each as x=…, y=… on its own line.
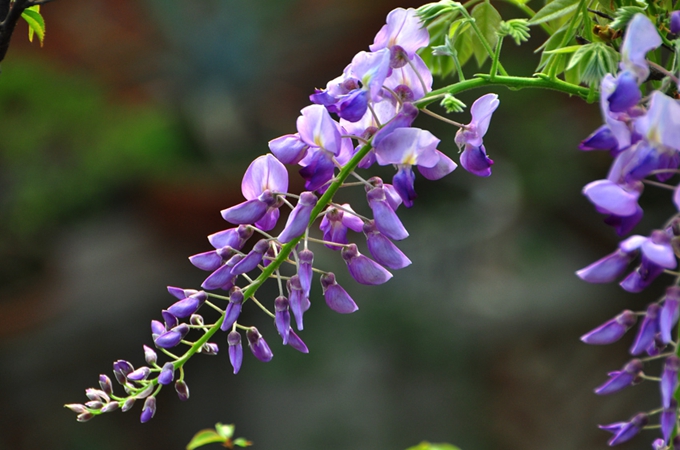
x=289, y=149
x=295, y=342
x=648, y=329
x=474, y=160
x=627, y=93
x=299, y=218
x=444, y=167
x=235, y=350
x=383, y=250
x=336, y=297
x=258, y=345
x=386, y=220
x=612, y=330
x=245, y=213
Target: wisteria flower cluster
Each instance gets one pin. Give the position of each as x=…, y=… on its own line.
x=373, y=101
x=643, y=135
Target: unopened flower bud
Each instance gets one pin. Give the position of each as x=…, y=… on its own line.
x=196, y=319
x=76, y=408
x=233, y=309
x=150, y=356
x=235, y=350
x=110, y=407
x=128, y=404
x=84, y=417
x=210, y=348
x=282, y=317
x=182, y=390
x=148, y=410
x=105, y=384
x=258, y=345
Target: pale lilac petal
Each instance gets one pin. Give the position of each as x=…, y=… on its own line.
x=298, y=220
x=363, y=269
x=245, y=213
x=289, y=149
x=264, y=173
x=640, y=38
x=661, y=124
x=612, y=197
x=612, y=330
x=658, y=250
x=411, y=146
x=444, y=166
x=318, y=129
x=403, y=28
x=383, y=250
x=206, y=261
x=607, y=269
x=336, y=297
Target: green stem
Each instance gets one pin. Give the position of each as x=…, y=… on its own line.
x=496, y=59
x=481, y=37
x=540, y=81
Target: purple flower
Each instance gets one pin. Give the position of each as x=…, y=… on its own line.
x=668, y=419
x=625, y=431
x=621, y=379
x=298, y=218
x=289, y=149
x=121, y=369
x=382, y=249
x=252, y=259
x=235, y=350
x=305, y=261
x=295, y=342
x=167, y=374
x=139, y=374
x=647, y=330
x=335, y=223
x=626, y=94
x=403, y=28
x=669, y=380
x=233, y=309
x=282, y=317
x=607, y=269
x=640, y=38
x=317, y=129
x=363, y=269
x=601, y=139
x=386, y=220
x=612, y=330
x=469, y=138
x=172, y=337
x=298, y=302
x=406, y=82
x=233, y=237
x=656, y=248
x=188, y=306
x=149, y=409
x=223, y=276
x=675, y=22
x=336, y=297
x=258, y=345
x=406, y=147
x=612, y=198
x=669, y=313
x=265, y=176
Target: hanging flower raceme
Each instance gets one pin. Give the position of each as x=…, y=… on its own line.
x=374, y=103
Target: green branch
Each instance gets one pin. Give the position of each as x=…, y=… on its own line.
x=540, y=81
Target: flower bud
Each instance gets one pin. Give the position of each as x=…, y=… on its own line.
x=121, y=369
x=258, y=345
x=612, y=330
x=128, y=404
x=105, y=384
x=669, y=380
x=148, y=410
x=282, y=317
x=110, y=407
x=235, y=350
x=621, y=379
x=233, y=309
x=336, y=297
x=182, y=390
x=647, y=330
x=364, y=270
x=150, y=356
x=167, y=374
x=209, y=348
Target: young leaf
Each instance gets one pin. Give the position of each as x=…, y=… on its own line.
x=551, y=44
x=488, y=21
x=623, y=15
x=205, y=437
x=36, y=23
x=226, y=431
x=242, y=442
x=592, y=62
x=554, y=10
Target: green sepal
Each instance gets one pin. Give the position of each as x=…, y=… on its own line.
x=36, y=23
x=488, y=21
x=554, y=10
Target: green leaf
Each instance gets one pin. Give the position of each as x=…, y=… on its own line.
x=592, y=62
x=623, y=15
x=488, y=21
x=226, y=431
x=554, y=10
x=428, y=446
x=463, y=43
x=205, y=437
x=551, y=44
x=36, y=23
x=568, y=49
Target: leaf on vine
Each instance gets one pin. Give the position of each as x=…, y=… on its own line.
x=552, y=44
x=205, y=437
x=592, y=62
x=462, y=33
x=554, y=10
x=439, y=65
x=623, y=15
x=488, y=21
x=36, y=23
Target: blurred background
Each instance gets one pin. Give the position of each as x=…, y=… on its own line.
x=125, y=135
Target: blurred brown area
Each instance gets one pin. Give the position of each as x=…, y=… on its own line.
x=124, y=136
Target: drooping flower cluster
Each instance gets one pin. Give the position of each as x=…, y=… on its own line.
x=643, y=135
x=374, y=101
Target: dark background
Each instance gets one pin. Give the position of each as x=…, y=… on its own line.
x=125, y=135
